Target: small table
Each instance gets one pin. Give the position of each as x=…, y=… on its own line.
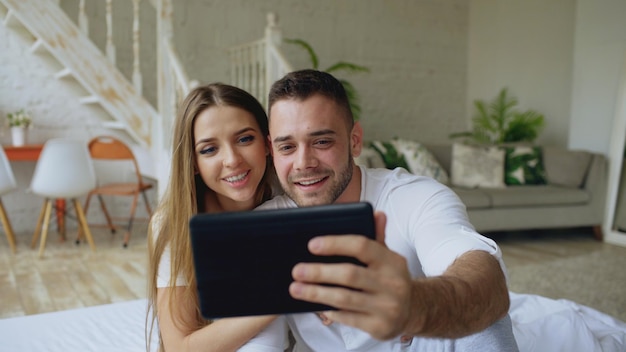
x=23, y=153
x=31, y=153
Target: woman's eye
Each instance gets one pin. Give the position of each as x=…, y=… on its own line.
x=246, y=139
x=208, y=150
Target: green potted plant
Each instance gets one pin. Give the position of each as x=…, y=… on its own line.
x=500, y=122
x=18, y=122
x=351, y=91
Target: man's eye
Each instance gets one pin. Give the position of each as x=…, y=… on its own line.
x=285, y=148
x=208, y=150
x=246, y=139
x=323, y=142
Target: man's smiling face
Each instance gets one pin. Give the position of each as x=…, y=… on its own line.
x=312, y=150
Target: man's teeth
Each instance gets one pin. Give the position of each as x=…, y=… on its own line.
x=308, y=183
x=236, y=178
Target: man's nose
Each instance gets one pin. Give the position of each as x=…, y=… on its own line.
x=305, y=158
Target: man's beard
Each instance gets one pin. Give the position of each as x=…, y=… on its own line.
x=336, y=189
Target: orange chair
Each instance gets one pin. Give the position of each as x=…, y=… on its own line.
x=107, y=148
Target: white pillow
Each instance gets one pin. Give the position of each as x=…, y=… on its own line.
x=477, y=166
x=418, y=159
x=369, y=158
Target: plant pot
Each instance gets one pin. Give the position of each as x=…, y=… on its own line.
x=18, y=136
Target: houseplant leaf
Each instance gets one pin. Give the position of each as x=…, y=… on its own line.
x=351, y=92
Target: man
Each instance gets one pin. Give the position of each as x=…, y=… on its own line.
x=430, y=280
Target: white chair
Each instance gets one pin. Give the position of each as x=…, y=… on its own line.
x=64, y=171
x=7, y=184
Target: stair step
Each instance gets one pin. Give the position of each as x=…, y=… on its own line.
x=91, y=99
x=64, y=73
x=11, y=21
x=114, y=125
x=38, y=47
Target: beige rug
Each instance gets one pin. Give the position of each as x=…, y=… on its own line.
x=570, y=266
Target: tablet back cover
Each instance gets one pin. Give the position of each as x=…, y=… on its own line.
x=243, y=260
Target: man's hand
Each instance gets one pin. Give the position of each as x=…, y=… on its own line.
x=377, y=297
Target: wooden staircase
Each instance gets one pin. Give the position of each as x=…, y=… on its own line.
x=55, y=33
x=51, y=33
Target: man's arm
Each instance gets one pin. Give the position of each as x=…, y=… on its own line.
x=468, y=297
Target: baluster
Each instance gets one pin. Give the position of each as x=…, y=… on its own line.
x=261, y=74
x=83, y=21
x=137, y=79
x=245, y=68
x=253, y=71
x=110, y=48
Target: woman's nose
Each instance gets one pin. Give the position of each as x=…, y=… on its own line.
x=232, y=157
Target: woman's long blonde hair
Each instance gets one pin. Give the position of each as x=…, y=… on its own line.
x=186, y=192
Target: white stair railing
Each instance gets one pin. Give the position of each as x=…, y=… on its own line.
x=255, y=66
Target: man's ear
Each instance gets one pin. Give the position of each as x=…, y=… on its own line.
x=356, y=139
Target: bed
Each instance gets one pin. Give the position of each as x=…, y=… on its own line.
x=539, y=324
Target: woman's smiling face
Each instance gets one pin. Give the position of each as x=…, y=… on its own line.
x=231, y=155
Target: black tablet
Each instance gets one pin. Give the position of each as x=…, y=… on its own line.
x=243, y=260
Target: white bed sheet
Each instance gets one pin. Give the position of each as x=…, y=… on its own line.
x=115, y=327
x=540, y=324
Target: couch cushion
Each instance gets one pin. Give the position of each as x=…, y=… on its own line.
x=539, y=195
x=412, y=156
x=523, y=165
x=369, y=158
x=477, y=166
x=566, y=167
x=473, y=198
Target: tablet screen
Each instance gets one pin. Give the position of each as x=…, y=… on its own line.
x=243, y=260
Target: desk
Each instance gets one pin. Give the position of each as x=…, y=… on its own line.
x=31, y=153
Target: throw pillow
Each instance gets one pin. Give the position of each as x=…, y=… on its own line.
x=412, y=156
x=566, y=167
x=523, y=165
x=369, y=158
x=477, y=166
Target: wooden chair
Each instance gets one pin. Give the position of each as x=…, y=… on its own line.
x=7, y=184
x=64, y=171
x=107, y=148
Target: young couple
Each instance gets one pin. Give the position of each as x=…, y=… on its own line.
x=430, y=281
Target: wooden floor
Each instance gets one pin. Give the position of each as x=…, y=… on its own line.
x=71, y=276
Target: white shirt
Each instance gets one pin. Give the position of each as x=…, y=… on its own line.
x=426, y=223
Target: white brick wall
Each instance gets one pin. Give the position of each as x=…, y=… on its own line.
x=27, y=82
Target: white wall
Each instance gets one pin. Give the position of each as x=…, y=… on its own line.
x=600, y=51
x=527, y=46
x=416, y=50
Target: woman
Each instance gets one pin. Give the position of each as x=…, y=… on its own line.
x=220, y=162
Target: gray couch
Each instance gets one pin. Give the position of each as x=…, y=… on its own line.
x=574, y=196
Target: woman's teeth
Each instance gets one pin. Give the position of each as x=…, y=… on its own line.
x=237, y=177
